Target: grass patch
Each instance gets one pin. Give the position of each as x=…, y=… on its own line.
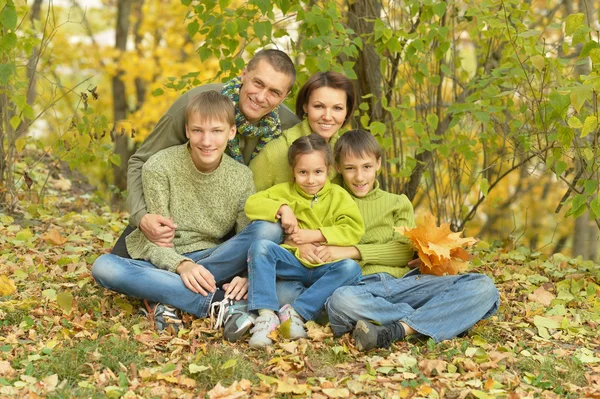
x=224, y=364
x=553, y=373
x=325, y=360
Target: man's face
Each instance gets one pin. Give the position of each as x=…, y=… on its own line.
x=208, y=140
x=359, y=173
x=263, y=89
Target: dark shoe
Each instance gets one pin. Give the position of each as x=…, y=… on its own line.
x=233, y=316
x=162, y=316
x=368, y=336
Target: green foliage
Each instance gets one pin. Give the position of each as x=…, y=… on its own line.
x=463, y=98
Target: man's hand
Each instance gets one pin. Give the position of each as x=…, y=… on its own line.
x=196, y=278
x=289, y=223
x=237, y=289
x=304, y=236
x=158, y=229
x=332, y=253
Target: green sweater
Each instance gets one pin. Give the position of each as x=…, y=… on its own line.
x=331, y=210
x=270, y=166
x=170, y=131
x=205, y=206
x=382, y=249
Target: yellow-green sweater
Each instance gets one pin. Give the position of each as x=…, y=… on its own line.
x=270, y=166
x=382, y=249
x=332, y=211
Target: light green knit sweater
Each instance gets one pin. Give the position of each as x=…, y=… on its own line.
x=270, y=166
x=205, y=206
x=382, y=249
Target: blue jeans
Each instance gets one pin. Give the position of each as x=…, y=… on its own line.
x=267, y=261
x=141, y=279
x=440, y=307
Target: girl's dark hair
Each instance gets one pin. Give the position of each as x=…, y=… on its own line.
x=327, y=79
x=308, y=144
x=356, y=142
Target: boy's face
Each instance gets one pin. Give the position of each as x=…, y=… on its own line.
x=263, y=89
x=359, y=173
x=208, y=140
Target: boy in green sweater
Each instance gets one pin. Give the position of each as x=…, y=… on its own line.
x=311, y=210
x=203, y=191
x=401, y=302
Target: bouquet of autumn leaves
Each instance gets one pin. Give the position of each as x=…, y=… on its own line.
x=440, y=250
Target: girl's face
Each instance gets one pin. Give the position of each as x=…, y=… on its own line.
x=326, y=111
x=310, y=172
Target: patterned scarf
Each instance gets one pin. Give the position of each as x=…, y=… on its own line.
x=267, y=129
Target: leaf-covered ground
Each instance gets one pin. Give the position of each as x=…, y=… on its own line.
x=63, y=336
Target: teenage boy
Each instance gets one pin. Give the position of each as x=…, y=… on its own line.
x=203, y=191
x=392, y=301
x=260, y=116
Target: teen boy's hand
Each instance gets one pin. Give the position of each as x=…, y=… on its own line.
x=158, y=229
x=289, y=223
x=237, y=289
x=330, y=253
x=196, y=277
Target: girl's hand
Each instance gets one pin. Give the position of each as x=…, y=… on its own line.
x=330, y=253
x=289, y=223
x=237, y=289
x=305, y=236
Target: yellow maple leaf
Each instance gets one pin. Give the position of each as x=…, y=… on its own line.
x=439, y=248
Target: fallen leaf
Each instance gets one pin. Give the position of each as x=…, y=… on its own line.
x=219, y=392
x=6, y=369
x=53, y=236
x=7, y=286
x=336, y=392
x=428, y=365
x=542, y=296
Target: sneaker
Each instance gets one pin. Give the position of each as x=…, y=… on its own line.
x=162, y=316
x=263, y=326
x=296, y=322
x=233, y=316
x=368, y=336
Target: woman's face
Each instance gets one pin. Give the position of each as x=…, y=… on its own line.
x=326, y=111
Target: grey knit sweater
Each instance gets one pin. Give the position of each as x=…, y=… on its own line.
x=205, y=206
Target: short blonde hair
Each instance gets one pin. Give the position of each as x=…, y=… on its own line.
x=211, y=105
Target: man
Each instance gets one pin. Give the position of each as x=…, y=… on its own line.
x=260, y=116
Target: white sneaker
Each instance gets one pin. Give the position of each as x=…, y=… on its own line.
x=296, y=322
x=262, y=327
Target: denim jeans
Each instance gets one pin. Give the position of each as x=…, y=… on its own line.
x=267, y=261
x=141, y=279
x=440, y=307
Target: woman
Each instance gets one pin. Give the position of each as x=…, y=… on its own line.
x=325, y=104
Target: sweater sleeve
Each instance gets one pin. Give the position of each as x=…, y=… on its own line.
x=242, y=220
x=156, y=187
x=263, y=205
x=398, y=251
x=348, y=227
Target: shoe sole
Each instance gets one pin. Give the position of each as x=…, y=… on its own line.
x=360, y=332
x=233, y=336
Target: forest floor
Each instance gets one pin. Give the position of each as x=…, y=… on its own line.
x=63, y=336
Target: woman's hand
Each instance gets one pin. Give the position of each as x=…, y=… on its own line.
x=237, y=289
x=289, y=223
x=196, y=277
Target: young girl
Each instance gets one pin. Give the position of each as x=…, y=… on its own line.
x=312, y=212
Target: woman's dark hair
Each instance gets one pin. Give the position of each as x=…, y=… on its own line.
x=356, y=142
x=308, y=144
x=327, y=79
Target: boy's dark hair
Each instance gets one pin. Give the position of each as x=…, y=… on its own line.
x=280, y=61
x=211, y=105
x=358, y=143
x=327, y=79
x=308, y=144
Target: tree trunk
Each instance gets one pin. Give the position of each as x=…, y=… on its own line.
x=119, y=97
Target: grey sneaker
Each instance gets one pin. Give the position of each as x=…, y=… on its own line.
x=233, y=316
x=162, y=316
x=368, y=336
x=287, y=312
x=262, y=327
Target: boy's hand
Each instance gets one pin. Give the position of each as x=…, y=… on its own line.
x=237, y=289
x=330, y=253
x=304, y=236
x=289, y=223
x=196, y=277
x=158, y=229
x=308, y=253
x=413, y=264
